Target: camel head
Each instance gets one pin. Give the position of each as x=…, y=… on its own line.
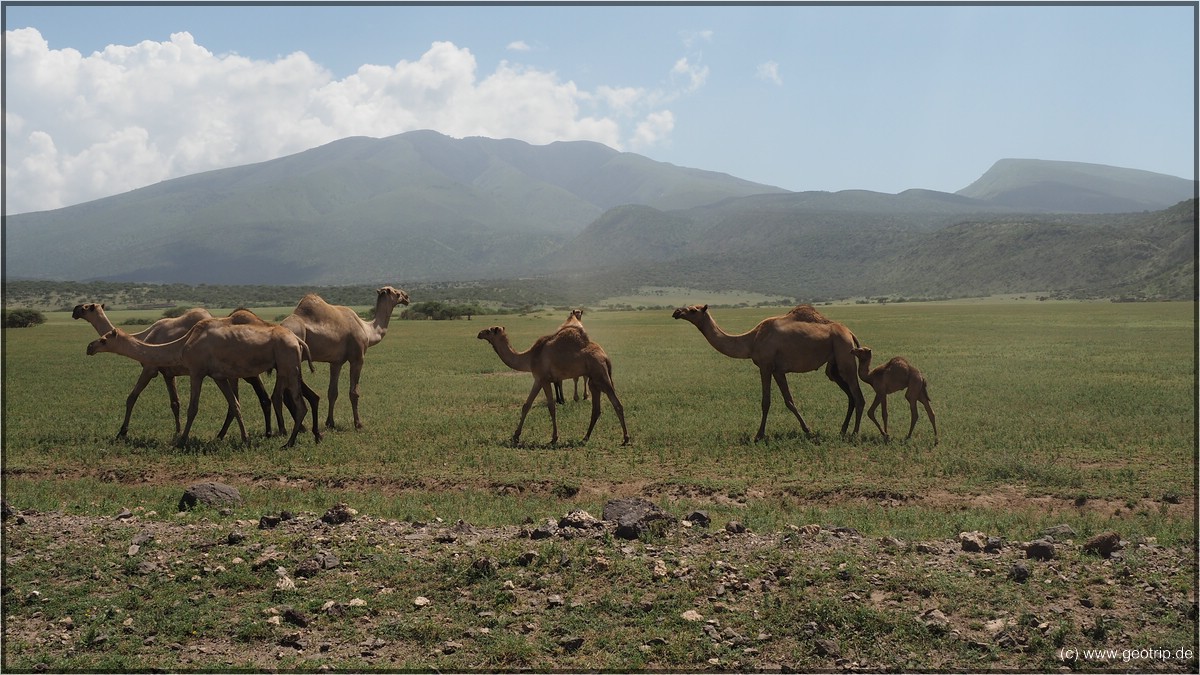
x=692, y=313
x=81, y=311
x=101, y=344
x=576, y=314
x=493, y=334
x=862, y=352
x=394, y=295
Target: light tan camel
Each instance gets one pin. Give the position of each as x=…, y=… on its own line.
x=575, y=318
x=337, y=335
x=797, y=342
x=565, y=353
x=224, y=351
x=891, y=377
x=161, y=332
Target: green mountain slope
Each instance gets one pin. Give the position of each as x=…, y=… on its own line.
x=418, y=205
x=1042, y=185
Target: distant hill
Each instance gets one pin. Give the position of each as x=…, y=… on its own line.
x=1076, y=187
x=418, y=205
x=589, y=220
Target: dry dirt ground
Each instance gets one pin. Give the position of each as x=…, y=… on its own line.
x=345, y=591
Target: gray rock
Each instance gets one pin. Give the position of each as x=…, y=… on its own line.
x=635, y=516
x=1040, y=549
x=1103, y=544
x=698, y=518
x=1059, y=532
x=735, y=527
x=338, y=514
x=580, y=520
x=1019, y=572
x=209, y=494
x=972, y=542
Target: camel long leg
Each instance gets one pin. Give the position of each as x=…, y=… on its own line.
x=595, y=411
x=766, y=402
x=781, y=380
x=229, y=412
x=879, y=398
x=611, y=391
x=558, y=393
x=294, y=393
x=912, y=417
x=885, y=424
x=314, y=401
x=263, y=399
x=229, y=388
x=548, y=390
x=928, y=409
x=831, y=372
x=144, y=379
x=356, y=366
x=193, y=407
x=847, y=366
x=335, y=373
x=537, y=388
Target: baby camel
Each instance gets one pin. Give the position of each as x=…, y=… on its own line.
x=565, y=353
x=223, y=351
x=893, y=376
x=575, y=318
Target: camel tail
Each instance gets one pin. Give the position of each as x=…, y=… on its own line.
x=307, y=356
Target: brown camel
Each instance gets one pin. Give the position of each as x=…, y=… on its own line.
x=161, y=332
x=224, y=351
x=895, y=375
x=575, y=318
x=337, y=335
x=565, y=353
x=797, y=342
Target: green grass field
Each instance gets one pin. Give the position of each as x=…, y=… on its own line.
x=1068, y=401
x=1049, y=413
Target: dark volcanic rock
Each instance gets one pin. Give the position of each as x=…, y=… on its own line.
x=209, y=494
x=635, y=516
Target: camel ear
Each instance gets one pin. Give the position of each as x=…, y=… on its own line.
x=704, y=309
x=103, y=306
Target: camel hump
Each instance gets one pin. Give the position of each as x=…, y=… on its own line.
x=809, y=314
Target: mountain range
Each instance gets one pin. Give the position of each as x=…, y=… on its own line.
x=421, y=206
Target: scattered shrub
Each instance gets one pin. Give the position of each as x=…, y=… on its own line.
x=23, y=318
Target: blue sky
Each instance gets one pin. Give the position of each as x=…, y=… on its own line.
x=103, y=99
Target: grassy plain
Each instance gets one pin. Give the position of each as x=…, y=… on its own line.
x=1056, y=412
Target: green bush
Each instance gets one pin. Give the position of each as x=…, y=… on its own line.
x=23, y=318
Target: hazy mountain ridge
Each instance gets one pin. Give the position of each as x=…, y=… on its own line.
x=421, y=206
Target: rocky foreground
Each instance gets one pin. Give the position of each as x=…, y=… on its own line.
x=633, y=589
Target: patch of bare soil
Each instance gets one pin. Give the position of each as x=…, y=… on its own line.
x=350, y=591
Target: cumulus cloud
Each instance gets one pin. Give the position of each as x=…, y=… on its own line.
x=519, y=46
x=769, y=71
x=693, y=75
x=83, y=127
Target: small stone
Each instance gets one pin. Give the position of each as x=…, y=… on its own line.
x=972, y=542
x=1019, y=572
x=698, y=518
x=810, y=530
x=295, y=617
x=827, y=647
x=125, y=514
x=357, y=602
x=421, y=601
x=527, y=558
x=571, y=643
x=268, y=522
x=928, y=549
x=580, y=520
x=1103, y=544
x=1040, y=549
x=691, y=615
x=235, y=538
x=555, y=601
x=1059, y=532
x=735, y=527
x=338, y=514
x=209, y=494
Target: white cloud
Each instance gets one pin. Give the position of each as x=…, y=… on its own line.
x=518, y=46
x=769, y=71
x=656, y=127
x=694, y=75
x=82, y=127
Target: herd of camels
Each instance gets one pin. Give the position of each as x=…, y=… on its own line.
x=243, y=346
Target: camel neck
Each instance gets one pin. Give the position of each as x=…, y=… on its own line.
x=168, y=354
x=521, y=361
x=379, y=325
x=100, y=322
x=733, y=346
x=864, y=368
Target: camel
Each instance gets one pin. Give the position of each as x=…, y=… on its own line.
x=565, y=353
x=224, y=351
x=797, y=342
x=160, y=332
x=575, y=318
x=895, y=375
x=337, y=335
